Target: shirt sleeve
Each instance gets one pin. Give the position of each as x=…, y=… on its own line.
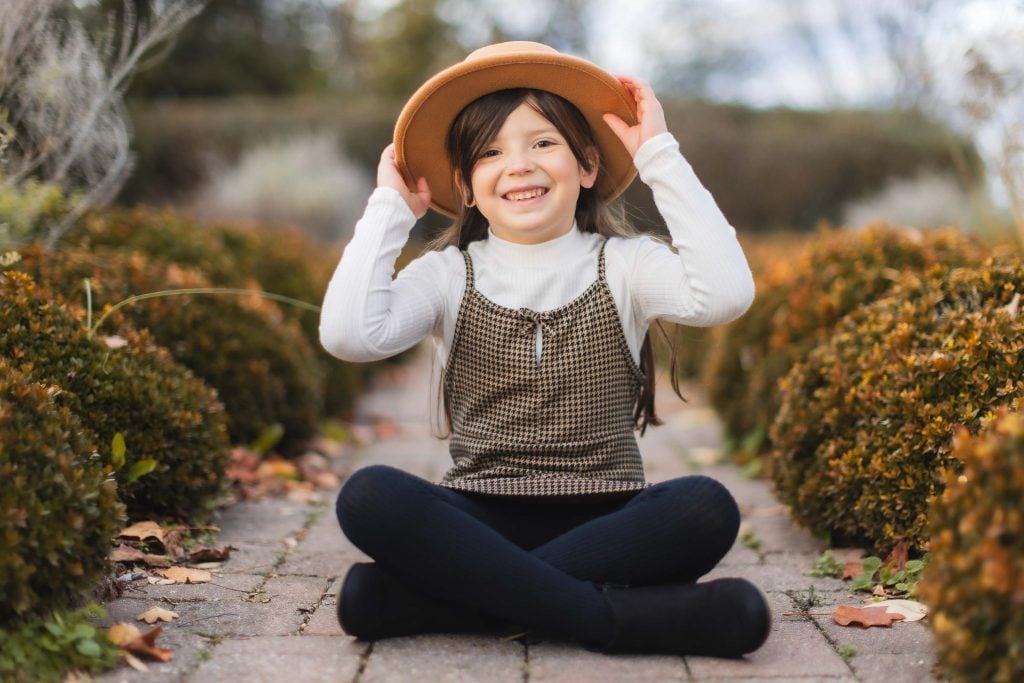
x=708, y=281
x=368, y=313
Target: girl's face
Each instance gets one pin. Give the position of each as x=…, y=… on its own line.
x=527, y=180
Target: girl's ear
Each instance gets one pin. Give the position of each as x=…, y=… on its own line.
x=588, y=178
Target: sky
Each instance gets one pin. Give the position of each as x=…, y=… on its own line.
x=628, y=36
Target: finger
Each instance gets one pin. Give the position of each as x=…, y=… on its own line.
x=618, y=126
x=423, y=189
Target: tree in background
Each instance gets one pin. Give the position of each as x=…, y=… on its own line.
x=62, y=118
x=234, y=47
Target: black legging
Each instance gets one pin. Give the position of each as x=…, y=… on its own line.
x=535, y=561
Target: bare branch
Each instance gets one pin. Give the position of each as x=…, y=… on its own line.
x=61, y=96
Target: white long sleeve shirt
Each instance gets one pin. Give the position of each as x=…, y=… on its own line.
x=368, y=313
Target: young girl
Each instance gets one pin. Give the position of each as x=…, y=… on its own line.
x=540, y=302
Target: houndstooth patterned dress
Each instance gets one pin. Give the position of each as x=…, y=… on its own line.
x=557, y=425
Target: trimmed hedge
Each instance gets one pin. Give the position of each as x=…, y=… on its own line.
x=164, y=412
x=261, y=365
x=974, y=584
x=798, y=304
x=280, y=261
x=865, y=421
x=58, y=501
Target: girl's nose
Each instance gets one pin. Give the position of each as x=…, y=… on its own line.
x=520, y=163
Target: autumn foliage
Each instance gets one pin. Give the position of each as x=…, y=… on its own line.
x=799, y=302
x=866, y=420
x=164, y=412
x=975, y=584
x=58, y=501
x=260, y=362
x=237, y=254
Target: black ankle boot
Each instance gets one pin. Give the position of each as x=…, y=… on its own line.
x=720, y=618
x=373, y=605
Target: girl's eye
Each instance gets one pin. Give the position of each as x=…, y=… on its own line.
x=545, y=143
x=489, y=153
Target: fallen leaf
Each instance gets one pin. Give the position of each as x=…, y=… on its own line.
x=897, y=559
x=155, y=614
x=204, y=554
x=134, y=662
x=144, y=530
x=208, y=565
x=912, y=610
x=145, y=646
x=185, y=575
x=126, y=553
x=174, y=539
x=122, y=633
x=864, y=616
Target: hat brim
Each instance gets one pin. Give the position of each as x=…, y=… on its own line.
x=424, y=121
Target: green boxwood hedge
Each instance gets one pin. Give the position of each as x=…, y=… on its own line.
x=165, y=413
x=58, y=502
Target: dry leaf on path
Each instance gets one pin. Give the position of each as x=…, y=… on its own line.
x=155, y=614
x=134, y=662
x=144, y=530
x=204, y=554
x=145, y=646
x=174, y=540
x=126, y=553
x=185, y=575
x=912, y=610
x=865, y=616
x=122, y=633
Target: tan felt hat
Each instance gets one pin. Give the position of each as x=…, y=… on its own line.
x=424, y=122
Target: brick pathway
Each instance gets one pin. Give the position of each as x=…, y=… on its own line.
x=269, y=614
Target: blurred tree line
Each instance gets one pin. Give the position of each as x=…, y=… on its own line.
x=275, y=67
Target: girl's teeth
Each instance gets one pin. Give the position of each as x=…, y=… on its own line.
x=529, y=194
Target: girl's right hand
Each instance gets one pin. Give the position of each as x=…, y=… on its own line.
x=388, y=175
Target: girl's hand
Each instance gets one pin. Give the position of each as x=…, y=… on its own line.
x=388, y=175
x=649, y=112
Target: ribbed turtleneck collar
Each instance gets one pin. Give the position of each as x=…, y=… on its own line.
x=544, y=255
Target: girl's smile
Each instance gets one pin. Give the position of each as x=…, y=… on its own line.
x=527, y=181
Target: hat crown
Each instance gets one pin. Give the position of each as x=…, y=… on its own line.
x=510, y=47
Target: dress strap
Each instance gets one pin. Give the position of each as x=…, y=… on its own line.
x=470, y=284
x=600, y=262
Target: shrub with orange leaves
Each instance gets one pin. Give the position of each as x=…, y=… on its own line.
x=799, y=302
x=866, y=420
x=975, y=582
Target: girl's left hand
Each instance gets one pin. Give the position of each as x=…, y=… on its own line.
x=649, y=112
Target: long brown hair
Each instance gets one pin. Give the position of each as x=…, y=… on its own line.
x=473, y=130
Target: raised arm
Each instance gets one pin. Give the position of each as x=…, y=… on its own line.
x=369, y=314
x=708, y=282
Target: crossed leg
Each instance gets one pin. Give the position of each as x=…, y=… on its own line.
x=533, y=563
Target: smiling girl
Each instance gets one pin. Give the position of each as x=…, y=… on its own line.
x=540, y=301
